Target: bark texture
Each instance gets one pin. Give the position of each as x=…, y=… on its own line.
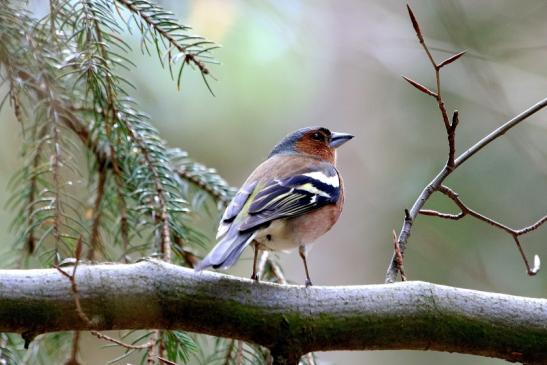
x=289, y=320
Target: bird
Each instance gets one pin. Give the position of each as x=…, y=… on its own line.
x=292, y=198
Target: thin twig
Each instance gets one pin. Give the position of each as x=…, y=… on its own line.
x=166, y=361
x=128, y=346
x=452, y=139
x=33, y=190
x=111, y=117
x=73, y=359
x=148, y=346
x=450, y=128
x=189, y=257
x=392, y=271
x=94, y=241
x=239, y=353
x=500, y=131
x=276, y=271
x=229, y=350
x=154, y=350
x=465, y=211
x=56, y=164
x=165, y=237
x=399, y=256
x=73, y=285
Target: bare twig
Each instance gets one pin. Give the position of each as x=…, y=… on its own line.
x=73, y=285
x=275, y=269
x=189, y=256
x=166, y=361
x=148, y=346
x=239, y=353
x=452, y=162
x=154, y=350
x=452, y=139
x=465, y=211
x=33, y=190
x=399, y=256
x=128, y=346
x=229, y=350
x=500, y=131
x=73, y=359
x=94, y=242
x=450, y=128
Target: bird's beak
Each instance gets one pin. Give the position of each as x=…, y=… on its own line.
x=338, y=139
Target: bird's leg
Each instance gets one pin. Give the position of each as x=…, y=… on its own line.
x=302, y=251
x=254, y=276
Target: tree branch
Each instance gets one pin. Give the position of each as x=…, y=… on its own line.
x=452, y=163
x=437, y=181
x=465, y=210
x=289, y=320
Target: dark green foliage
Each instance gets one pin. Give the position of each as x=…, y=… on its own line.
x=179, y=346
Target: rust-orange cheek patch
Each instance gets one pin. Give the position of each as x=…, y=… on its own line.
x=316, y=148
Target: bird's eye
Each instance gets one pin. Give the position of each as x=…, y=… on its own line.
x=317, y=136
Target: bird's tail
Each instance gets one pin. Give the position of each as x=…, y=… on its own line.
x=227, y=250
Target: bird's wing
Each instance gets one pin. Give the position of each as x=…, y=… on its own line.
x=235, y=207
x=292, y=196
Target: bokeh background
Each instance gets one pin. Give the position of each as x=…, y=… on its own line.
x=288, y=64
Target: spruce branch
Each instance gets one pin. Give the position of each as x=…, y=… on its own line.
x=162, y=30
x=121, y=119
x=85, y=59
x=95, y=239
x=90, y=67
x=204, y=177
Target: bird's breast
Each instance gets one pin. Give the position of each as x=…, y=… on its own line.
x=309, y=227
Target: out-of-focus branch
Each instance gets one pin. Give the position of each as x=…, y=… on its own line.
x=465, y=211
x=452, y=161
x=289, y=320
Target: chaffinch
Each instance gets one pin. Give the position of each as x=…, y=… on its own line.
x=289, y=200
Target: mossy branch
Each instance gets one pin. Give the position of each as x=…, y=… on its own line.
x=289, y=320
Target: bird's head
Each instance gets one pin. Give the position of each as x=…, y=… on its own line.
x=314, y=141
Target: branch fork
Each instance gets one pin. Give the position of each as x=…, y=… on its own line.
x=466, y=211
x=452, y=163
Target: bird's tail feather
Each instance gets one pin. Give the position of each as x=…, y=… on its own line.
x=227, y=250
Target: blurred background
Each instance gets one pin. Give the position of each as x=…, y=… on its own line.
x=289, y=64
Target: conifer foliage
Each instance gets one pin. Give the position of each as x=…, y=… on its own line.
x=97, y=182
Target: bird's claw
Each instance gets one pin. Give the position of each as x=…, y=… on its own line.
x=308, y=283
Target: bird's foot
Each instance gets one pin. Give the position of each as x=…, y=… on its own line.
x=255, y=277
x=308, y=282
